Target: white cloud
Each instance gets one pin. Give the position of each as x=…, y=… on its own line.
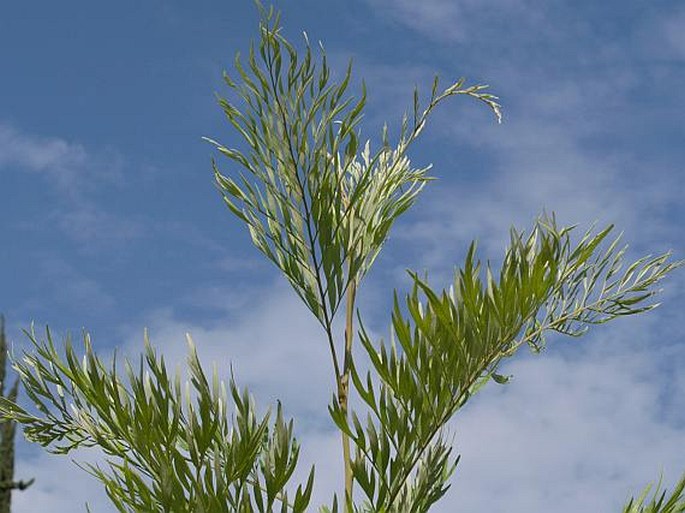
x=544, y=156
x=546, y=153
x=56, y=158
x=88, y=224
x=274, y=346
x=74, y=174
x=64, y=284
x=432, y=16
x=571, y=433
x=69, y=167
x=675, y=33
x=542, y=167
x=59, y=484
x=453, y=20
x=662, y=35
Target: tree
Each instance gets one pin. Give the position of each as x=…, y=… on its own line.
x=7, y=431
x=320, y=205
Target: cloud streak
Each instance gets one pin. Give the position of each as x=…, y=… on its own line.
x=556, y=151
x=75, y=175
x=67, y=166
x=59, y=484
x=577, y=430
x=450, y=20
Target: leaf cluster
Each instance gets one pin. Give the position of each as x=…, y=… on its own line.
x=316, y=203
x=447, y=346
x=659, y=503
x=167, y=449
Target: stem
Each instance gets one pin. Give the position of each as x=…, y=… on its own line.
x=327, y=319
x=344, y=388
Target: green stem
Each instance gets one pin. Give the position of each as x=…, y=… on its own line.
x=344, y=389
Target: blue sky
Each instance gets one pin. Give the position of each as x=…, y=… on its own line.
x=110, y=220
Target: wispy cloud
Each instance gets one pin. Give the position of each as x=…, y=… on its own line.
x=88, y=224
x=75, y=175
x=541, y=167
x=555, y=151
x=455, y=20
x=57, y=159
x=578, y=431
x=74, y=288
x=273, y=345
x=62, y=286
x=663, y=34
x=431, y=17
x=59, y=484
x=67, y=166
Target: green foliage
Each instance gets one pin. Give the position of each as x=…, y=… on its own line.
x=167, y=449
x=320, y=205
x=314, y=204
x=675, y=503
x=450, y=345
